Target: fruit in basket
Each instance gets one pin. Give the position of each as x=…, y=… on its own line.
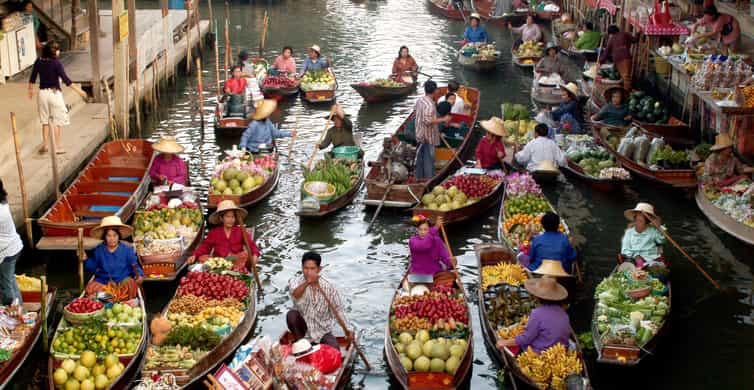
x=86, y=374
x=84, y=305
x=59, y=377
x=508, y=273
x=529, y=204
x=238, y=176
x=213, y=286
x=551, y=367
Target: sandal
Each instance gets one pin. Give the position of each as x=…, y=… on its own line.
x=60, y=151
x=42, y=149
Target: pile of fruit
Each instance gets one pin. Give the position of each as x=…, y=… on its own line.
x=594, y=159
x=484, y=51
x=736, y=200
x=226, y=316
x=213, y=286
x=28, y=283
x=123, y=314
x=171, y=357
x=218, y=264
x=87, y=373
x=341, y=173
x=521, y=183
x=647, y=109
x=524, y=207
x=435, y=309
x=460, y=191
x=748, y=96
x=84, y=305
x=519, y=131
x=609, y=73
x=98, y=337
x=519, y=229
x=513, y=330
x=530, y=49
x=507, y=305
x=279, y=82
x=550, y=368
x=385, y=83
x=425, y=354
x=160, y=230
x=503, y=273
x=238, y=176
x=528, y=204
x=317, y=80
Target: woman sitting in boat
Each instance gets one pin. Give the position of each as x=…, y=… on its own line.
x=551, y=244
x=261, y=130
x=550, y=63
x=568, y=112
x=548, y=323
x=529, y=31
x=340, y=134
x=404, y=67
x=455, y=130
x=236, y=85
x=227, y=240
x=490, y=152
x=167, y=167
x=615, y=112
x=641, y=242
x=114, y=263
x=475, y=33
x=588, y=38
x=722, y=168
x=314, y=61
x=429, y=255
x=284, y=63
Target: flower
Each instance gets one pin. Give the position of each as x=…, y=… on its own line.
x=418, y=218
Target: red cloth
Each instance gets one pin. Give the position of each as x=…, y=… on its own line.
x=326, y=359
x=225, y=246
x=486, y=152
x=235, y=86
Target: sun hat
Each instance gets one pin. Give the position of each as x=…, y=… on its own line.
x=641, y=207
x=546, y=288
x=303, y=348
x=551, y=45
x=551, y=268
x=168, y=145
x=722, y=141
x=572, y=88
x=495, y=126
x=111, y=222
x=475, y=16
x=264, y=109
x=608, y=94
x=315, y=48
x=227, y=205
x=547, y=166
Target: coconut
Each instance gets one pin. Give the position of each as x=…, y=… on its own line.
x=400, y=348
x=221, y=185
x=439, y=351
x=456, y=204
x=229, y=174
x=405, y=338
x=237, y=191
x=422, y=335
x=234, y=183
x=407, y=363
x=456, y=350
x=445, y=207
x=422, y=364
x=437, y=365
x=101, y=382
x=427, y=348
x=227, y=191
x=452, y=364
x=60, y=376
x=461, y=197
x=413, y=351
x=241, y=176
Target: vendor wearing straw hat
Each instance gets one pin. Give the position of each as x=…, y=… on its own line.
x=314, y=61
x=615, y=111
x=548, y=323
x=551, y=244
x=642, y=243
x=341, y=132
x=722, y=168
x=261, y=130
x=568, y=110
x=167, y=167
x=550, y=63
x=227, y=239
x=474, y=32
x=540, y=152
x=490, y=152
x=114, y=263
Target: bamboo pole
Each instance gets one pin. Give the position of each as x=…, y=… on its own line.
x=43, y=313
x=217, y=67
x=188, y=39
x=21, y=181
x=293, y=139
x=200, y=89
x=212, y=26
x=342, y=322
x=321, y=135
x=227, y=39
x=137, y=104
x=82, y=257
x=197, y=19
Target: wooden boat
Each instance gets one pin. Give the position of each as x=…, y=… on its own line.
x=678, y=178
x=466, y=212
x=375, y=93
x=722, y=220
x=320, y=96
x=629, y=355
x=603, y=184
x=485, y=10
x=547, y=95
x=225, y=349
x=675, y=132
x=408, y=194
x=524, y=62
x=129, y=361
x=280, y=93
x=347, y=353
x=254, y=196
x=114, y=182
x=18, y=357
x=336, y=204
x=478, y=64
x=448, y=10
x=545, y=15
x=234, y=124
x=430, y=380
x=492, y=254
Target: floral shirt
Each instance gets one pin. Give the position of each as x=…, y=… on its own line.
x=716, y=170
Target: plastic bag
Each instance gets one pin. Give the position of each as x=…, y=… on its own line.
x=632, y=132
x=641, y=147
x=327, y=359
x=626, y=146
x=654, y=147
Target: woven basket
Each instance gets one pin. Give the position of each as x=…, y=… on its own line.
x=81, y=318
x=309, y=189
x=639, y=292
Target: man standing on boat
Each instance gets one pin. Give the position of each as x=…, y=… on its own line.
x=311, y=316
x=427, y=133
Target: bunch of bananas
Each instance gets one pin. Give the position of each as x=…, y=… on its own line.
x=534, y=367
x=515, y=330
x=508, y=273
x=28, y=283
x=551, y=367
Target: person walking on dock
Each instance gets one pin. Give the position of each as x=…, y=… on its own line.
x=50, y=102
x=10, y=251
x=427, y=133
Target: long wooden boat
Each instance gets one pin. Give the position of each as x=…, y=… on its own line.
x=478, y=64
x=129, y=361
x=677, y=178
x=336, y=204
x=227, y=347
x=233, y=124
x=448, y=10
x=466, y=212
x=430, y=380
x=674, y=132
x=114, y=182
x=375, y=93
x=485, y=9
x=320, y=96
x=18, y=357
x=280, y=93
x=629, y=355
x=347, y=353
x=254, y=196
x=408, y=194
x=524, y=62
x=602, y=184
x=492, y=254
x=722, y=220
x=546, y=95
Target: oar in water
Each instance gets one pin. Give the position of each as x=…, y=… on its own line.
x=321, y=135
x=424, y=74
x=82, y=257
x=382, y=203
x=343, y=325
x=253, y=264
x=293, y=139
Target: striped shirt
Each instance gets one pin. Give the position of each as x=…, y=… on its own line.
x=426, y=132
x=314, y=308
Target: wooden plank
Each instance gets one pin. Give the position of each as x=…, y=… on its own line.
x=93, y=14
x=51, y=243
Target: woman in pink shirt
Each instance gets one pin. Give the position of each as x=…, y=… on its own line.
x=284, y=63
x=428, y=252
x=719, y=26
x=167, y=167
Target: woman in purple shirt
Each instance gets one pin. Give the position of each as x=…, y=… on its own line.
x=428, y=252
x=548, y=322
x=50, y=102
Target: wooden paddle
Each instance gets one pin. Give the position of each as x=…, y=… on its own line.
x=382, y=203
x=82, y=258
x=253, y=264
x=343, y=325
x=293, y=139
x=691, y=259
x=321, y=135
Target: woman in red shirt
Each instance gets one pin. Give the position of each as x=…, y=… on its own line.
x=491, y=151
x=227, y=240
x=236, y=84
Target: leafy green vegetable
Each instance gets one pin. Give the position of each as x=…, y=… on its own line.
x=193, y=337
x=586, y=340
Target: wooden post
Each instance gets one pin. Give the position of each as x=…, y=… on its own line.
x=75, y=5
x=54, y=157
x=133, y=57
x=200, y=89
x=197, y=20
x=211, y=18
x=217, y=67
x=188, y=36
x=120, y=68
x=21, y=181
x=81, y=256
x=227, y=39
x=43, y=314
x=93, y=15
x=167, y=37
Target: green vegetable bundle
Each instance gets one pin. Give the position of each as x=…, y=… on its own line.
x=516, y=112
x=194, y=337
x=341, y=173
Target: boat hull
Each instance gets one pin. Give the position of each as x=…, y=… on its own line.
x=464, y=213
x=725, y=222
x=377, y=94
x=251, y=198
x=342, y=201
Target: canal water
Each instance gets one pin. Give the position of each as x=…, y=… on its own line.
x=710, y=341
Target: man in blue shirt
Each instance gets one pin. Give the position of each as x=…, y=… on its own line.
x=474, y=32
x=261, y=130
x=551, y=244
x=314, y=61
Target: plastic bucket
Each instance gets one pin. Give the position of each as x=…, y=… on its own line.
x=662, y=66
x=347, y=152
